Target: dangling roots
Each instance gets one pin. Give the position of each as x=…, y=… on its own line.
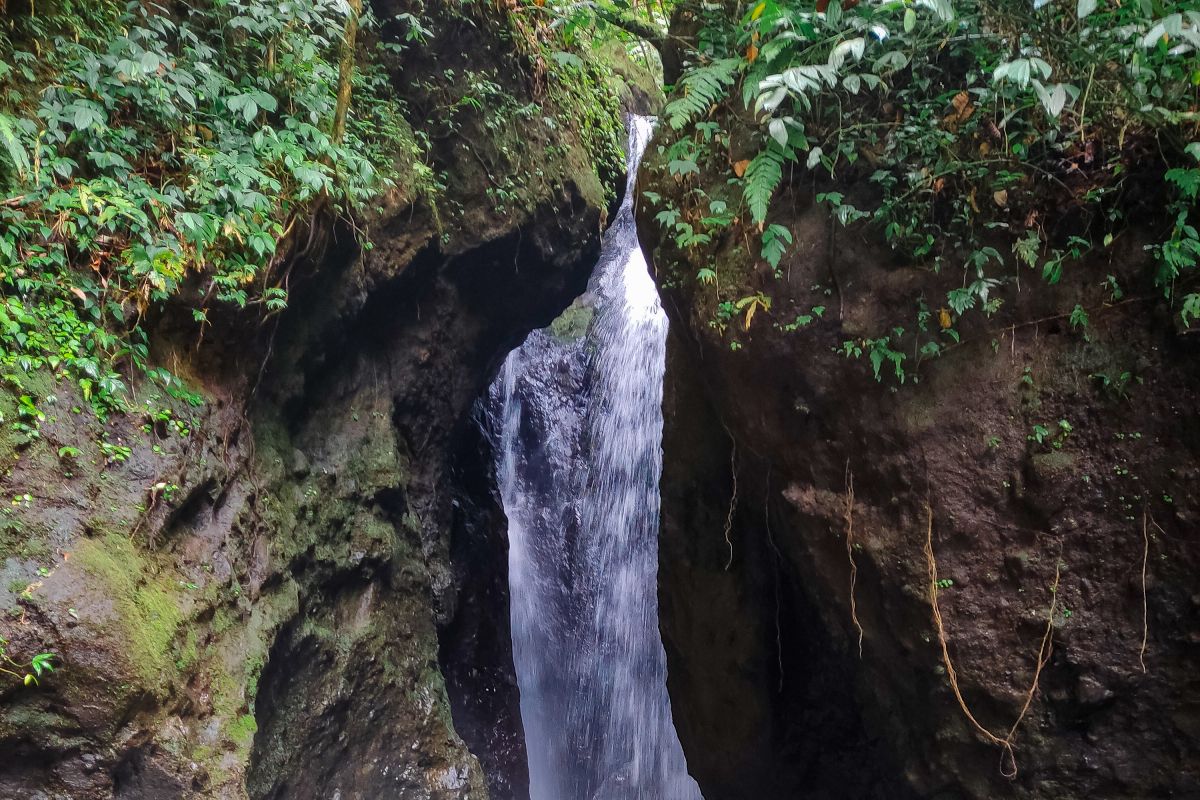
x=732, y=504
x=1145, y=607
x=1008, y=760
x=1145, y=564
x=850, y=553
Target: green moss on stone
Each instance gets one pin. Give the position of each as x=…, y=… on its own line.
x=189, y=654
x=572, y=324
x=146, y=605
x=241, y=731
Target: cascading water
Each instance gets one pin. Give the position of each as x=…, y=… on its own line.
x=578, y=429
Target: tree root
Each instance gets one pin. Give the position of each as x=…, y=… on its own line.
x=732, y=503
x=1145, y=605
x=849, y=516
x=1008, y=760
x=1145, y=565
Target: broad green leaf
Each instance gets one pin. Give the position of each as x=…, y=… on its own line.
x=852, y=48
x=566, y=59
x=778, y=131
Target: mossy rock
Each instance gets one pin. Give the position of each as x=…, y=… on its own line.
x=147, y=605
x=572, y=325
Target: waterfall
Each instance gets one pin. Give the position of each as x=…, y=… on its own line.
x=577, y=425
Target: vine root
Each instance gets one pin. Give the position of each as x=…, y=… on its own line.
x=849, y=516
x=1008, y=760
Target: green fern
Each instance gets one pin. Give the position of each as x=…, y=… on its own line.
x=762, y=179
x=702, y=89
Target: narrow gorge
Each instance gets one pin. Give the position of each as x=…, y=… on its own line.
x=599, y=401
x=578, y=422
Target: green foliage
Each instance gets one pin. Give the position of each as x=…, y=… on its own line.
x=880, y=352
x=956, y=119
x=803, y=320
x=762, y=179
x=1117, y=386
x=144, y=149
x=1056, y=437
x=242, y=730
x=15, y=151
x=701, y=89
x=1191, y=308
x=114, y=453
x=584, y=88
x=1179, y=254
x=775, y=240
x=587, y=25
x=28, y=673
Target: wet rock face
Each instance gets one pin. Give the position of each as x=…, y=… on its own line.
x=400, y=621
x=771, y=695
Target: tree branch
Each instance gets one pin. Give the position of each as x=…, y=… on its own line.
x=641, y=28
x=346, y=71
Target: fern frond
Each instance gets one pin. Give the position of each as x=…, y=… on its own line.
x=702, y=87
x=762, y=179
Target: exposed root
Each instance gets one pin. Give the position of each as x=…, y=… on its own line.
x=154, y=492
x=1044, y=651
x=732, y=503
x=1145, y=604
x=1008, y=760
x=849, y=515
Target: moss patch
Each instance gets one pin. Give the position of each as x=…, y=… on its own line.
x=573, y=323
x=146, y=605
x=242, y=730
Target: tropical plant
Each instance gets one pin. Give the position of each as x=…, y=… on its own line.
x=141, y=151
x=974, y=123
x=27, y=672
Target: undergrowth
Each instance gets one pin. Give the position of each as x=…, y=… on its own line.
x=979, y=138
x=149, y=156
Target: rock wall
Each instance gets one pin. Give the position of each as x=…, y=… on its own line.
x=799, y=494
x=298, y=587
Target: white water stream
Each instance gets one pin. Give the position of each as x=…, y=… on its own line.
x=578, y=426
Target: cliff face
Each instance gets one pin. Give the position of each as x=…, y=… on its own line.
x=297, y=588
x=1049, y=470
